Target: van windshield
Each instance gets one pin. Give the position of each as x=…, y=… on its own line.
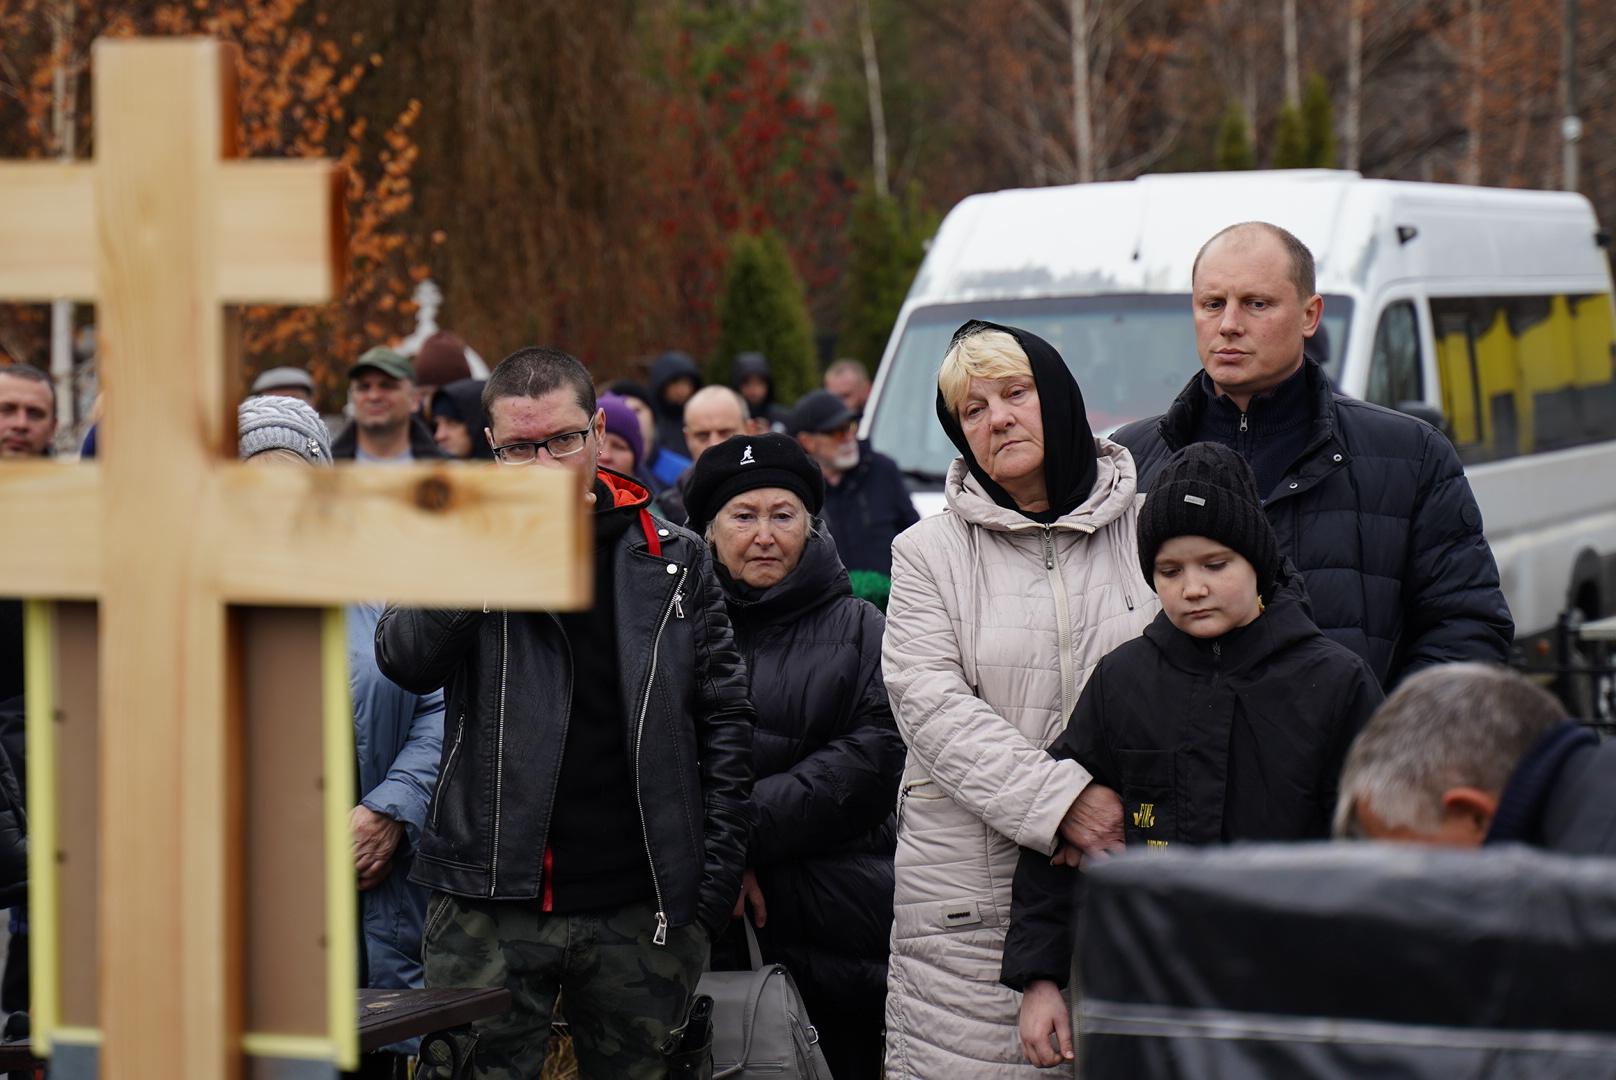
x=1131, y=354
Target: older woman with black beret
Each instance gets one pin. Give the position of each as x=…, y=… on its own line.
x=825, y=753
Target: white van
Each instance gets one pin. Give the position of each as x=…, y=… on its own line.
x=1487, y=311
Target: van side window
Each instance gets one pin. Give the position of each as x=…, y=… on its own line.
x=1526, y=374
x=1394, y=366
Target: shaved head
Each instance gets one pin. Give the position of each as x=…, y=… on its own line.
x=1302, y=273
x=713, y=414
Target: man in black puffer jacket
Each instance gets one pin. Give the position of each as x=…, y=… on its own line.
x=590, y=824
x=1372, y=506
x=826, y=752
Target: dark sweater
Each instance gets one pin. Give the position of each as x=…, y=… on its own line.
x=1562, y=795
x=596, y=851
x=1278, y=425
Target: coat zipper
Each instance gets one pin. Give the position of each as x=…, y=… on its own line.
x=661, y=935
x=1242, y=422
x=448, y=767
x=1063, y=623
x=499, y=745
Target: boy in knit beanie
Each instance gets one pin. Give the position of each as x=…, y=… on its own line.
x=1228, y=719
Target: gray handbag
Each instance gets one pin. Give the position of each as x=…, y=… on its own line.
x=760, y=1027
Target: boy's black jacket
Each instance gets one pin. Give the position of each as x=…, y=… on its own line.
x=1238, y=738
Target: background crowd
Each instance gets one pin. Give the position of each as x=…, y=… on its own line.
x=885, y=748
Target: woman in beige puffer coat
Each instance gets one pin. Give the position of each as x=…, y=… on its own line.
x=1000, y=608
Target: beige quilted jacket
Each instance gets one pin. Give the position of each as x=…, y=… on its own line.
x=993, y=627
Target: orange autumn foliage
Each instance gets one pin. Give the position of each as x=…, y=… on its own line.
x=295, y=85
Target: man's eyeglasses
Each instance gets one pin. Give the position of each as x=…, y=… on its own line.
x=560, y=446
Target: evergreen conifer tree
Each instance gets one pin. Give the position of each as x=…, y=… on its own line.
x=886, y=242
x=763, y=309
x=1234, y=141
x=1318, y=123
x=1290, y=141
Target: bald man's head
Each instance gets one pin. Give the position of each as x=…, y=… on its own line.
x=713, y=414
x=1301, y=272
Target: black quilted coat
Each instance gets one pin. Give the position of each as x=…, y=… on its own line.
x=1378, y=516
x=826, y=758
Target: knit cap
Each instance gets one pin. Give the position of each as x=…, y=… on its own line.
x=622, y=421
x=1207, y=489
x=269, y=423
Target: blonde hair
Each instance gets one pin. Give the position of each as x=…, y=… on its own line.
x=984, y=354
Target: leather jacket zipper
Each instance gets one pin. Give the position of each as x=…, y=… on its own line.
x=448, y=767
x=661, y=935
x=499, y=745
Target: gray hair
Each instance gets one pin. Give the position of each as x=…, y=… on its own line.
x=1458, y=725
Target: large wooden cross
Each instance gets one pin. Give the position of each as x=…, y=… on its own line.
x=161, y=232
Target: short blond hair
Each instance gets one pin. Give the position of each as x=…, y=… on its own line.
x=983, y=354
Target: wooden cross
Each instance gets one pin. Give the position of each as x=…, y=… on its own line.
x=160, y=233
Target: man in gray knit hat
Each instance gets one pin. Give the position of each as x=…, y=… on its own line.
x=398, y=735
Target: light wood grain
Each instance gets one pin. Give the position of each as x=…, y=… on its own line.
x=50, y=529
x=280, y=232
x=447, y=535
x=169, y=852
x=47, y=248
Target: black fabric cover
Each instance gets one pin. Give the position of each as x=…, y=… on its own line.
x=1378, y=516
x=1349, y=960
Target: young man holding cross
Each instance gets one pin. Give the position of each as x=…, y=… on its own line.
x=590, y=823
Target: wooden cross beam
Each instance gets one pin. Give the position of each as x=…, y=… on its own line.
x=161, y=232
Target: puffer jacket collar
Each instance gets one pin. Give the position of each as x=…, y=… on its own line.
x=1286, y=621
x=1115, y=486
x=1325, y=451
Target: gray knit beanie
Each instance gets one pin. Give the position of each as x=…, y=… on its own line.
x=268, y=422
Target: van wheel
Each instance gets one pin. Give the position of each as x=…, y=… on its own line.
x=1590, y=694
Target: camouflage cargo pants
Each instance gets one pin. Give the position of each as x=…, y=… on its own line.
x=623, y=993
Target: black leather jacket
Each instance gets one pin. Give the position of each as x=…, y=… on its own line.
x=507, y=677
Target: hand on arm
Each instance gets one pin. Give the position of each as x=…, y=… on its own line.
x=1046, y=1026
x=375, y=838
x=1093, y=823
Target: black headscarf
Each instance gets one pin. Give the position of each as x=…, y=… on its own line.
x=1070, y=467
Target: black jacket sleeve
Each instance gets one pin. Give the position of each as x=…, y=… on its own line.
x=1453, y=607
x=845, y=788
x=723, y=716
x=1044, y=899
x=419, y=648
x=1358, y=701
x=13, y=839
